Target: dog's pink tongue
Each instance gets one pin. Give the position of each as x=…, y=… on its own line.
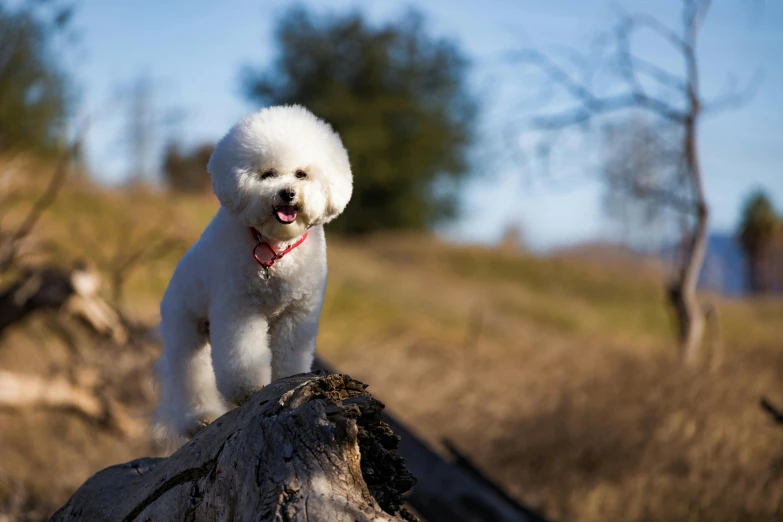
x=286, y=214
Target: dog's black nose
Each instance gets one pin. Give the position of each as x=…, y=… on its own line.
x=287, y=194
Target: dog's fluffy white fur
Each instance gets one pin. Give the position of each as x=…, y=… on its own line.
x=228, y=328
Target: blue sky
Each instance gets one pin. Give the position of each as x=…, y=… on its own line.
x=193, y=52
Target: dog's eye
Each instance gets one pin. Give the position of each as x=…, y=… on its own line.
x=268, y=174
x=301, y=174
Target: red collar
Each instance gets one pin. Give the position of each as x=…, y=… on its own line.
x=275, y=255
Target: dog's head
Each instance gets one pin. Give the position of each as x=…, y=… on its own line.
x=281, y=170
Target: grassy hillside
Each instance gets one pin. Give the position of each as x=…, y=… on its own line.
x=558, y=377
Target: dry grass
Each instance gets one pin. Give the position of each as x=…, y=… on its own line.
x=558, y=378
x=570, y=394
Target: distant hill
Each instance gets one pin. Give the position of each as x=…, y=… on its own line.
x=724, y=267
x=615, y=257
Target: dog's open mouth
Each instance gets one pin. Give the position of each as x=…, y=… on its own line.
x=285, y=214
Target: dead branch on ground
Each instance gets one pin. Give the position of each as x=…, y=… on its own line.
x=76, y=292
x=18, y=391
x=775, y=413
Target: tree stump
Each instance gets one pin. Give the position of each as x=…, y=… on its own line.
x=310, y=447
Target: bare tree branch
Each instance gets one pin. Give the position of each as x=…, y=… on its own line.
x=126, y=261
x=555, y=73
x=590, y=104
x=774, y=413
x=9, y=246
x=631, y=65
x=655, y=25
x=600, y=106
x=9, y=197
x=694, y=13
x=654, y=72
x=624, y=57
x=735, y=98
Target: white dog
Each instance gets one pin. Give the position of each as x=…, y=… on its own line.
x=242, y=307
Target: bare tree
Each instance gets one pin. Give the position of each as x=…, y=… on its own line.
x=638, y=155
x=11, y=241
x=49, y=286
x=669, y=97
x=13, y=238
x=132, y=245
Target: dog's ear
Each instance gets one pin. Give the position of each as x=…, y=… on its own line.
x=226, y=182
x=338, y=192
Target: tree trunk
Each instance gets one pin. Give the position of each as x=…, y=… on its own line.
x=309, y=448
x=683, y=295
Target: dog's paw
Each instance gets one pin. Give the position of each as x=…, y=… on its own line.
x=193, y=428
x=195, y=423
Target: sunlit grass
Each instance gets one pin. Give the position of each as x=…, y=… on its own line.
x=558, y=376
x=556, y=294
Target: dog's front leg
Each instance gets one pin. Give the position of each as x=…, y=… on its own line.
x=293, y=344
x=240, y=350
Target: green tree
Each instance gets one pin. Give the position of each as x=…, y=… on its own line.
x=758, y=230
x=399, y=99
x=33, y=88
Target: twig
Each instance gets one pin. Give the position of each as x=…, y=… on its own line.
x=630, y=64
x=774, y=413
x=8, y=249
x=735, y=98
x=127, y=260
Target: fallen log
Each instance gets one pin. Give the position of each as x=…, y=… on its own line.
x=52, y=288
x=35, y=290
x=310, y=447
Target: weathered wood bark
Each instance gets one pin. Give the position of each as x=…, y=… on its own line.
x=307, y=447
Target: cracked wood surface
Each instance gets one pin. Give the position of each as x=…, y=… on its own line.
x=309, y=448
